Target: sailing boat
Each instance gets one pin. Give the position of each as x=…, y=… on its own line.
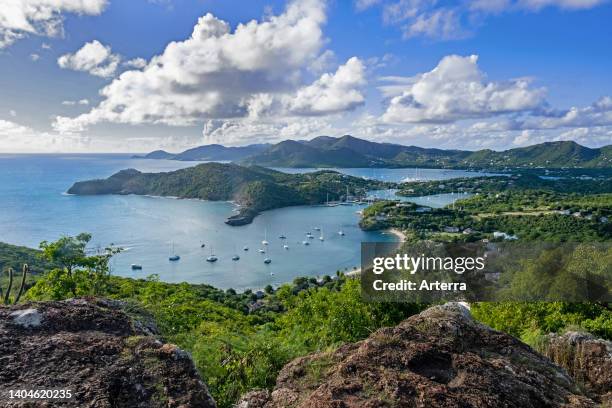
x=212, y=257
x=174, y=257
x=265, y=241
x=321, y=237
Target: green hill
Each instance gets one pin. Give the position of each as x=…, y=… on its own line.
x=349, y=151
x=254, y=188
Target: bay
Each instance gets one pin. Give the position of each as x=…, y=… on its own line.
x=34, y=207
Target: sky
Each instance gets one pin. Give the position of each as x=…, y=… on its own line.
x=141, y=75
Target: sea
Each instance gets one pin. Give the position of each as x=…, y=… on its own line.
x=34, y=207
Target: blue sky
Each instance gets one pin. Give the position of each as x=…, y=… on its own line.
x=99, y=75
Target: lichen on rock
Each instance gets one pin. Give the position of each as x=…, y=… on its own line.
x=438, y=358
x=106, y=353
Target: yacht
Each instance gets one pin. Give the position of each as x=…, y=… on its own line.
x=265, y=241
x=305, y=242
x=262, y=251
x=341, y=233
x=246, y=248
x=211, y=258
x=235, y=258
x=286, y=246
x=282, y=237
x=173, y=257
x=317, y=228
x=267, y=261
x=136, y=267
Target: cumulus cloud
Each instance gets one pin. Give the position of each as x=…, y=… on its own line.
x=94, y=58
x=217, y=73
x=137, y=63
x=19, y=18
x=597, y=114
x=332, y=93
x=456, y=89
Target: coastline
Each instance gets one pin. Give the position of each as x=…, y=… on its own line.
x=393, y=231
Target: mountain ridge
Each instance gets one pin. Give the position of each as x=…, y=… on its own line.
x=349, y=151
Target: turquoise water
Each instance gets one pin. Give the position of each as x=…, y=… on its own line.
x=34, y=207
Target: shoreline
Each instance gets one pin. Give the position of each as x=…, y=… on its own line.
x=393, y=231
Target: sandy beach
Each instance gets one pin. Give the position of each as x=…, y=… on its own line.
x=394, y=231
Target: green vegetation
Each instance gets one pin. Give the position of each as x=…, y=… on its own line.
x=534, y=209
x=348, y=151
x=254, y=188
x=12, y=256
x=497, y=184
x=239, y=341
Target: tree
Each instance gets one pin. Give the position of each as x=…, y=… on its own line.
x=78, y=274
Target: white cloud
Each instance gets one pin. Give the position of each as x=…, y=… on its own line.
x=332, y=93
x=597, y=114
x=13, y=113
x=19, y=18
x=10, y=129
x=455, y=19
x=34, y=57
x=222, y=74
x=456, y=89
x=443, y=23
x=17, y=138
x=247, y=131
x=137, y=63
x=82, y=102
x=94, y=58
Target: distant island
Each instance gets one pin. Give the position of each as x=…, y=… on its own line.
x=348, y=151
x=213, y=152
x=254, y=188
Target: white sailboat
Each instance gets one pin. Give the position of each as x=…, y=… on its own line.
x=212, y=257
x=265, y=241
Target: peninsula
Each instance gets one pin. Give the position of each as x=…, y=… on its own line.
x=254, y=189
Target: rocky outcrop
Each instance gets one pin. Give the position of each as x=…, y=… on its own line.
x=586, y=358
x=438, y=358
x=105, y=352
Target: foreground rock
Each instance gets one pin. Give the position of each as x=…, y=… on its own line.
x=587, y=359
x=106, y=355
x=439, y=358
